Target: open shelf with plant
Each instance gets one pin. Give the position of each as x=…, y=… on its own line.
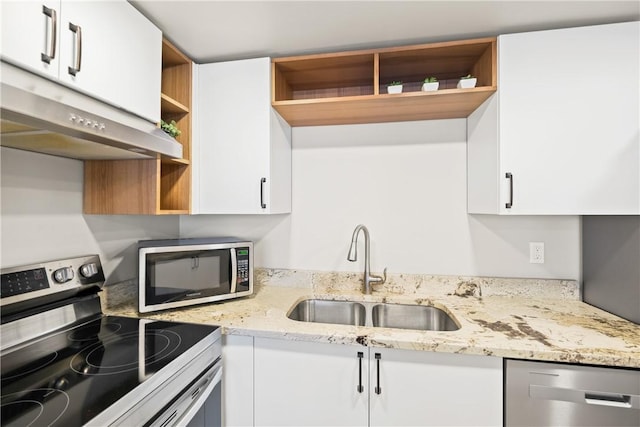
x=351, y=87
x=154, y=186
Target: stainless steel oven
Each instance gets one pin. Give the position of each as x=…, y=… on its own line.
x=181, y=272
x=64, y=363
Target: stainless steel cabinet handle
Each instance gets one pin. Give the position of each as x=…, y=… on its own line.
x=378, y=389
x=360, y=388
x=53, y=34
x=78, y=32
x=509, y=176
x=263, y=205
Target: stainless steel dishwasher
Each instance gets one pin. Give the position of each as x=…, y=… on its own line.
x=554, y=394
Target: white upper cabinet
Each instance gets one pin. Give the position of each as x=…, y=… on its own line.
x=561, y=136
x=106, y=49
x=30, y=34
x=243, y=145
x=118, y=51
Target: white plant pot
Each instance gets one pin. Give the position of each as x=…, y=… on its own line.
x=394, y=89
x=430, y=87
x=467, y=83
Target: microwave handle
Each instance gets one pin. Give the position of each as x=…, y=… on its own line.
x=234, y=271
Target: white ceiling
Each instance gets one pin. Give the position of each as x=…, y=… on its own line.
x=210, y=31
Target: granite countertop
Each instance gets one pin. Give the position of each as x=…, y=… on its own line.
x=514, y=318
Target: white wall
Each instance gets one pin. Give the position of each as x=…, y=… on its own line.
x=41, y=217
x=407, y=183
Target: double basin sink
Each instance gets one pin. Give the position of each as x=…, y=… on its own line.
x=381, y=315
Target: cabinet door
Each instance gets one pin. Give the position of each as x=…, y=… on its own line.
x=434, y=389
x=309, y=384
x=239, y=133
x=30, y=34
x=237, y=380
x=568, y=120
x=119, y=53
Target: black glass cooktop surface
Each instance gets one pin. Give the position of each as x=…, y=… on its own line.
x=69, y=377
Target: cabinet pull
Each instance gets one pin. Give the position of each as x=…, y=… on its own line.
x=360, y=388
x=509, y=176
x=378, y=389
x=263, y=205
x=77, y=30
x=53, y=34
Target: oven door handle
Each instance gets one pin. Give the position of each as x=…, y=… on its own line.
x=211, y=381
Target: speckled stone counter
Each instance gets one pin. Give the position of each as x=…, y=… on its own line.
x=515, y=318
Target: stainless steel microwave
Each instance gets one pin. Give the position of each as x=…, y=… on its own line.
x=182, y=272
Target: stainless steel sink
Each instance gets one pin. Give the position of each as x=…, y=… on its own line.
x=329, y=311
x=381, y=315
x=420, y=317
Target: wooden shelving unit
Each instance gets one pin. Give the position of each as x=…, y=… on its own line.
x=175, y=102
x=350, y=87
x=156, y=186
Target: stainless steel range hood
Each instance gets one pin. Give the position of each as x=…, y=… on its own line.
x=41, y=115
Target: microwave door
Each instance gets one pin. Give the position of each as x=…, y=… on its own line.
x=194, y=275
x=210, y=274
x=174, y=278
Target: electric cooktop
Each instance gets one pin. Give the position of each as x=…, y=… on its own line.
x=69, y=376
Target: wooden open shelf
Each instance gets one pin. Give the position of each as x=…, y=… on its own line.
x=350, y=87
x=155, y=186
x=169, y=105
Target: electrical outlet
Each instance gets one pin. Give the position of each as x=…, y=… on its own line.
x=536, y=252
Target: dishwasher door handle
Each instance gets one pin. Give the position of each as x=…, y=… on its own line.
x=589, y=397
x=617, y=400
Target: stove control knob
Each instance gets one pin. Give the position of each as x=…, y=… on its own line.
x=89, y=270
x=63, y=275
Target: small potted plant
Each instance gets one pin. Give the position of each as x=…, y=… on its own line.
x=395, y=87
x=467, y=82
x=171, y=128
x=430, y=84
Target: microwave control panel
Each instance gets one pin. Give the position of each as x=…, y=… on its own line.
x=242, y=258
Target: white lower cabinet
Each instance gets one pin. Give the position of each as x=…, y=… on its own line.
x=309, y=384
x=418, y=388
x=237, y=380
x=303, y=384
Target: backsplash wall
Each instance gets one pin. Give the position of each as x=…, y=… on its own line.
x=405, y=181
x=41, y=217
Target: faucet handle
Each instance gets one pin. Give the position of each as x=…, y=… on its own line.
x=379, y=280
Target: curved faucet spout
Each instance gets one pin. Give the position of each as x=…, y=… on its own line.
x=353, y=249
x=353, y=256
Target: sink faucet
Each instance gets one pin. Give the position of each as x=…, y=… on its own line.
x=353, y=256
